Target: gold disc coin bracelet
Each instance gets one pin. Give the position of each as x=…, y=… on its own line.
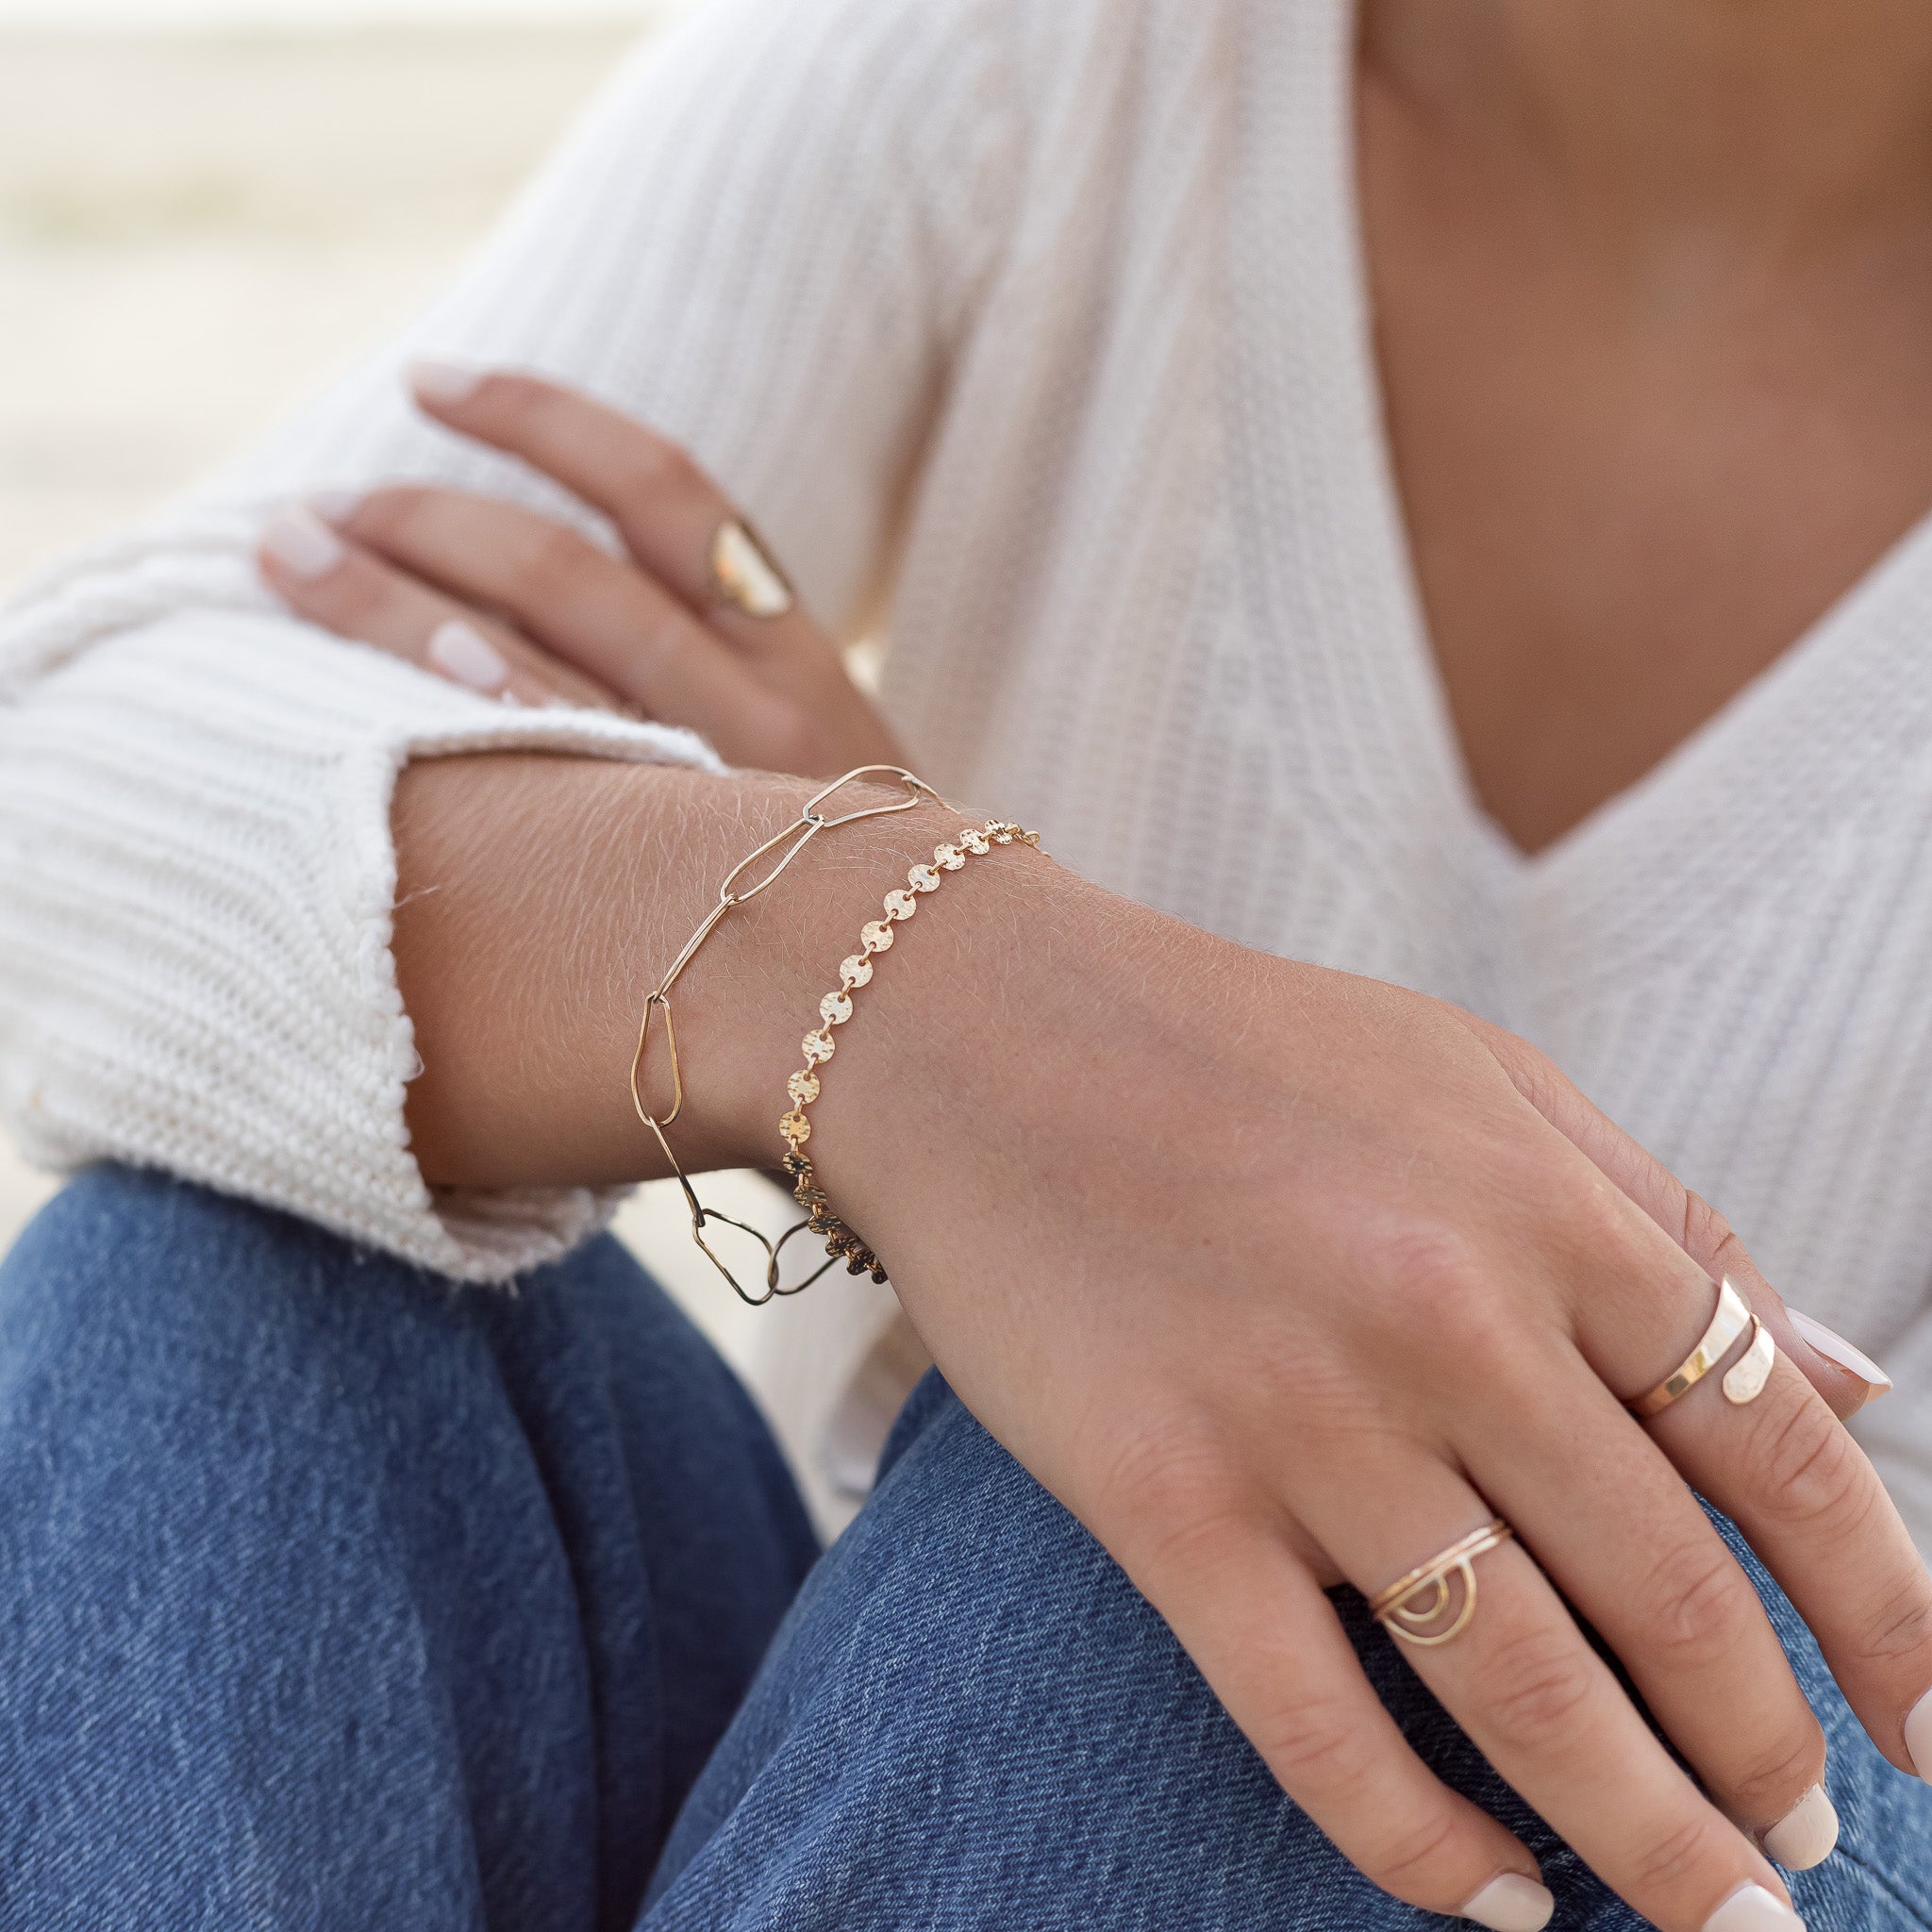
x=855, y=970
x=1411, y=1604
x=811, y=822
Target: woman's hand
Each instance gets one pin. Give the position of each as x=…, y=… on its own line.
x=511, y=603
x=1278, y=1277
x=1274, y=1277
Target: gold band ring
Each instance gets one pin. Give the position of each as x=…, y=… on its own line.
x=1746, y=1380
x=1412, y=1603
x=745, y=574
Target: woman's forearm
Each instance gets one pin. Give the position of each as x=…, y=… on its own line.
x=540, y=899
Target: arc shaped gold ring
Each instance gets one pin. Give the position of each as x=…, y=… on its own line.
x=745, y=574
x=1412, y=1603
x=1745, y=1379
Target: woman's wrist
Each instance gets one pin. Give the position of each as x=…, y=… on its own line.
x=539, y=901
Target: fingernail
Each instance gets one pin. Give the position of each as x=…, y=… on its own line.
x=1836, y=1348
x=337, y=506
x=445, y=382
x=1511, y=1904
x=1751, y=1909
x=461, y=652
x=301, y=542
x=1919, y=1737
x=1805, y=1836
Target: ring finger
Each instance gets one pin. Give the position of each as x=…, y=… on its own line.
x=603, y=616
x=1546, y=1709
x=669, y=512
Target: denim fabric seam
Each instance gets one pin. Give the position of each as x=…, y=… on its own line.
x=1881, y=1883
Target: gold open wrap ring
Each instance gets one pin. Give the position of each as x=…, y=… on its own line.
x=745, y=574
x=1412, y=1603
x=1745, y=1380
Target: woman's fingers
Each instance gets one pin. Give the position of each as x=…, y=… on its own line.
x=665, y=508
x=1788, y=1473
x=1780, y=1463
x=1544, y=1709
x=592, y=611
x=671, y=516
x=1271, y=1648
x=336, y=583
x=1838, y=1372
x=1613, y=1524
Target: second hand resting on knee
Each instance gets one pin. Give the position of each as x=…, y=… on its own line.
x=1276, y=1276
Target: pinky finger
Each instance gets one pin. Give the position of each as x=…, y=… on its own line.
x=348, y=589
x=463, y=650
x=1285, y=1669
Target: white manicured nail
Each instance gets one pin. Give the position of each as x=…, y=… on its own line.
x=1919, y=1737
x=301, y=542
x=1510, y=1903
x=336, y=506
x=1751, y=1909
x=1836, y=1348
x=1806, y=1833
x=461, y=652
x=445, y=382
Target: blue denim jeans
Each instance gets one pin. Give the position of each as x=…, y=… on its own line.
x=336, y=1597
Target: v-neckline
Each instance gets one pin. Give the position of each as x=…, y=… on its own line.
x=1711, y=768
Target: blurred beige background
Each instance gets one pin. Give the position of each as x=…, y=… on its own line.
x=206, y=207
x=197, y=225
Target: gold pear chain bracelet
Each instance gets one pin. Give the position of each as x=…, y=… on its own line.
x=811, y=822
x=855, y=970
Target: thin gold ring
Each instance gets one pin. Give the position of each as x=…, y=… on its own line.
x=745, y=574
x=1744, y=1383
x=1400, y=1613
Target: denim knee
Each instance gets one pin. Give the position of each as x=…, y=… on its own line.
x=971, y=1719
x=337, y=1595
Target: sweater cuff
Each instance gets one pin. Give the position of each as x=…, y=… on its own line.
x=197, y=881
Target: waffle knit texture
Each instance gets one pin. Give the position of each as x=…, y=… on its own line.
x=1037, y=326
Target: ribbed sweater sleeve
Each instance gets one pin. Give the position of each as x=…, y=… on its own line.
x=764, y=239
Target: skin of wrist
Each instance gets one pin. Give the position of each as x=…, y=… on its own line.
x=539, y=900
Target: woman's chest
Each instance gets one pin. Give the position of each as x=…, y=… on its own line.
x=1189, y=639
x=1630, y=476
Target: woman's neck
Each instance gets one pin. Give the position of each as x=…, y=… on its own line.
x=1779, y=118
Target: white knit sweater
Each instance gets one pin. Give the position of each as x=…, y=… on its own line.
x=1037, y=324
